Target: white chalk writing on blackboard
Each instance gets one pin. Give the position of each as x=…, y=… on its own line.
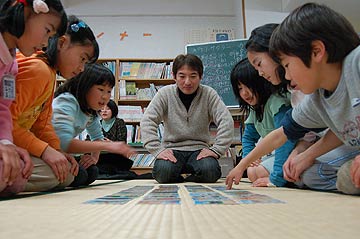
x=218, y=59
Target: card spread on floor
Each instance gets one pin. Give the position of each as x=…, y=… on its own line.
x=169, y=194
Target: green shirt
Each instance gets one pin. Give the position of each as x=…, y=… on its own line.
x=271, y=108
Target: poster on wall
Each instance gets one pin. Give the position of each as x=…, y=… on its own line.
x=221, y=34
x=209, y=35
x=196, y=36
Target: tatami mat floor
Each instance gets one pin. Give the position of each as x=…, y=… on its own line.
x=305, y=214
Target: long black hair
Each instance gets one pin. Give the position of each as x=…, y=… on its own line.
x=12, y=18
x=243, y=72
x=113, y=107
x=79, y=86
x=259, y=41
x=83, y=36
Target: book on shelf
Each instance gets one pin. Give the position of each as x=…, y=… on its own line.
x=125, y=69
x=134, y=134
x=122, y=88
x=129, y=133
x=111, y=65
x=144, y=94
x=146, y=70
x=143, y=160
x=129, y=91
x=130, y=87
x=137, y=136
x=134, y=70
x=130, y=113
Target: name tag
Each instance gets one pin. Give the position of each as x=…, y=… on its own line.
x=8, y=87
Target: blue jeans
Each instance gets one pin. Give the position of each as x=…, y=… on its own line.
x=206, y=170
x=322, y=175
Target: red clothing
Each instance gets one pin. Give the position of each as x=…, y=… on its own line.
x=31, y=110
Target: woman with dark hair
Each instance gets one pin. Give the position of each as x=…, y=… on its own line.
x=266, y=110
x=113, y=165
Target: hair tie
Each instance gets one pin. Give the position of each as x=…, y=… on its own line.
x=40, y=6
x=76, y=26
x=23, y=2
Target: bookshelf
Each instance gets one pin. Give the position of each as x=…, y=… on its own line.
x=137, y=81
x=146, y=75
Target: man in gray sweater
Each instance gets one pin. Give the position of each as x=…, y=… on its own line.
x=186, y=109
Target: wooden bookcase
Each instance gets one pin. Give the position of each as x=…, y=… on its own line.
x=136, y=71
x=141, y=81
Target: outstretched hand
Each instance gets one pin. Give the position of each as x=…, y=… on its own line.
x=120, y=147
x=234, y=176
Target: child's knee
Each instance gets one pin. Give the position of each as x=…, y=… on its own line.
x=43, y=178
x=344, y=182
x=251, y=173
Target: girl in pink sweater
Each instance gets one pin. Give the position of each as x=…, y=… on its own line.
x=27, y=26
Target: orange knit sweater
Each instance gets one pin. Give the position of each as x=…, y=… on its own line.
x=31, y=110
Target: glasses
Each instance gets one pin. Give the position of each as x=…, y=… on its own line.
x=76, y=26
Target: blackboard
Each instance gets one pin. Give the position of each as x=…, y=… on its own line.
x=219, y=58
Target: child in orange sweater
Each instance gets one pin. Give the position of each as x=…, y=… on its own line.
x=32, y=110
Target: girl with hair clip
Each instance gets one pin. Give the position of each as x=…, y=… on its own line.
x=265, y=109
x=31, y=111
x=76, y=108
x=27, y=26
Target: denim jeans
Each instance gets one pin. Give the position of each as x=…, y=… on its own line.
x=322, y=175
x=206, y=170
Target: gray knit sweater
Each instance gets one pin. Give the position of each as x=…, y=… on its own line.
x=186, y=130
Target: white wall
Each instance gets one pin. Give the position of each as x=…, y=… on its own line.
x=168, y=34
x=168, y=22
x=259, y=12
x=256, y=18
x=151, y=7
